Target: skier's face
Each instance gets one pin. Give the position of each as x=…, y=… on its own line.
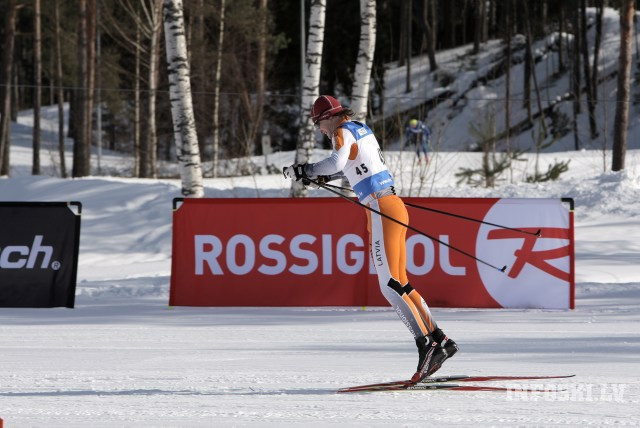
x=327, y=126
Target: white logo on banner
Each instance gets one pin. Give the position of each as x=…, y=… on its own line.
x=538, y=268
x=22, y=256
x=240, y=255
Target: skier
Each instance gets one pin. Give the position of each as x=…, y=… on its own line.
x=357, y=155
x=418, y=134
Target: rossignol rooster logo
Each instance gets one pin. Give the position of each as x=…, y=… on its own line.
x=540, y=259
x=538, y=267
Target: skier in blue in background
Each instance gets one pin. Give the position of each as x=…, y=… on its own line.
x=418, y=134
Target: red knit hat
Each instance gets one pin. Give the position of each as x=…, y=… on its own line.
x=325, y=107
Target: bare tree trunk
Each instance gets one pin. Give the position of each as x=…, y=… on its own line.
x=310, y=88
x=528, y=65
x=635, y=21
x=408, y=45
x=576, y=85
x=624, y=76
x=434, y=24
x=587, y=70
x=17, y=89
x=596, y=51
x=7, y=71
x=37, y=93
x=404, y=33
x=198, y=62
x=216, y=93
x=529, y=31
x=91, y=78
x=360, y=93
x=148, y=152
x=463, y=19
x=479, y=25
x=258, y=124
x=80, y=144
x=136, y=107
x=146, y=17
x=60, y=91
x=453, y=13
x=560, y=38
x=429, y=24
x=507, y=103
x=184, y=126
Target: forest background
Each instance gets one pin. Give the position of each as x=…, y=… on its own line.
x=246, y=66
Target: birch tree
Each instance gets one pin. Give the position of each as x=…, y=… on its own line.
x=310, y=88
x=184, y=126
x=622, y=97
x=360, y=93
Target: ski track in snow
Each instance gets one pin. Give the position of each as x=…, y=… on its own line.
x=137, y=362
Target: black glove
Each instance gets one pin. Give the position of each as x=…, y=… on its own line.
x=294, y=171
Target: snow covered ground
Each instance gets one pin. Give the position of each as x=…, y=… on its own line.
x=122, y=357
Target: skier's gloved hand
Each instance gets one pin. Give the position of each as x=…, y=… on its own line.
x=295, y=172
x=317, y=181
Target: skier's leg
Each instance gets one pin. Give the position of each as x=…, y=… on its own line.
x=385, y=251
x=422, y=307
x=401, y=275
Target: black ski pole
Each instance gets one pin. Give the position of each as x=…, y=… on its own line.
x=538, y=233
x=472, y=219
x=504, y=268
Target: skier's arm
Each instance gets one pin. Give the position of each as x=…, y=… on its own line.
x=336, y=162
x=336, y=176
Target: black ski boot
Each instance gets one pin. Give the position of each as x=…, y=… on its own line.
x=449, y=345
x=433, y=350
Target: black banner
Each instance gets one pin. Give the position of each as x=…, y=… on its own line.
x=39, y=244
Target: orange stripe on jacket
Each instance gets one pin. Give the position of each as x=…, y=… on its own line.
x=338, y=142
x=338, y=139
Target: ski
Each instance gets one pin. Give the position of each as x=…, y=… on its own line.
x=407, y=384
x=455, y=387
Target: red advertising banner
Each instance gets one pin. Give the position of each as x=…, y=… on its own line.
x=315, y=252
